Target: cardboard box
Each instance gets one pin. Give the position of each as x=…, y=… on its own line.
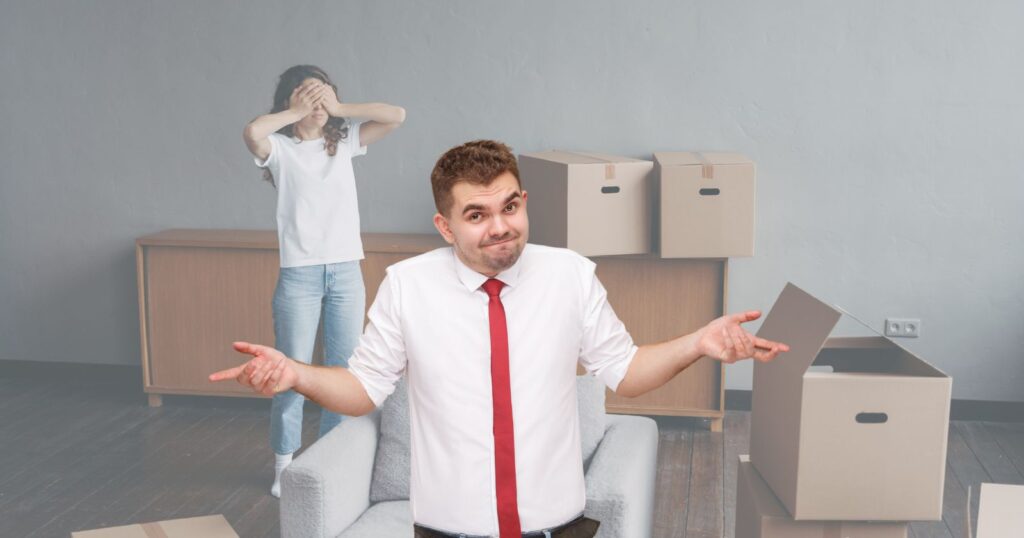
x=706, y=207
x=192, y=527
x=759, y=514
x=865, y=441
x=597, y=205
x=1000, y=512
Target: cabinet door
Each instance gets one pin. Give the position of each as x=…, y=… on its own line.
x=658, y=300
x=198, y=301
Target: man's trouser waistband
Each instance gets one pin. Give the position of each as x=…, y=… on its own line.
x=581, y=527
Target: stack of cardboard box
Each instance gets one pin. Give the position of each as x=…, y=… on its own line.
x=681, y=205
x=855, y=451
x=854, y=447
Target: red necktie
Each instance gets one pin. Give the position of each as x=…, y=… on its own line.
x=504, y=436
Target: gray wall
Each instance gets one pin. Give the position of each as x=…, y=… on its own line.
x=887, y=136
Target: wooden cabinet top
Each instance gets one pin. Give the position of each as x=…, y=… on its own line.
x=409, y=243
x=267, y=239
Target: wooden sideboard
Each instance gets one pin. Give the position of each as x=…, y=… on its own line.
x=199, y=290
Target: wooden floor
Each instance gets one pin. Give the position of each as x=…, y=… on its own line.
x=79, y=456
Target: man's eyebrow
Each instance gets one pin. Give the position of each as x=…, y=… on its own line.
x=511, y=197
x=478, y=207
x=473, y=207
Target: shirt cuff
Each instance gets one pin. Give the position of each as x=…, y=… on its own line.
x=613, y=374
x=378, y=392
x=270, y=156
x=354, y=143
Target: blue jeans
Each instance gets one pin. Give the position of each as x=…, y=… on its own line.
x=302, y=293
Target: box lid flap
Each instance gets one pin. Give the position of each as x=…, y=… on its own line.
x=803, y=323
x=800, y=321
x=692, y=158
x=1000, y=511
x=605, y=158
x=676, y=158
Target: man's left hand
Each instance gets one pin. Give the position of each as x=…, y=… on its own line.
x=724, y=339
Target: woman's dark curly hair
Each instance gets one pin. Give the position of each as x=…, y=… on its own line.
x=336, y=128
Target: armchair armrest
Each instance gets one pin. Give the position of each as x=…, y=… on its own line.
x=327, y=487
x=621, y=477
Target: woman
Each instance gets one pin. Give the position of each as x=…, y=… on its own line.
x=305, y=146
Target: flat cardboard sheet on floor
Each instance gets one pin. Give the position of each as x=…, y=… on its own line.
x=193, y=527
x=1000, y=512
x=759, y=514
x=865, y=441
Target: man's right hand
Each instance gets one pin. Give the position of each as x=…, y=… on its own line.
x=268, y=372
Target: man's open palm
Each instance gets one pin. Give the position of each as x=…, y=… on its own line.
x=726, y=340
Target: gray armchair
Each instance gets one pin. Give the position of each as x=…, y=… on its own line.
x=353, y=482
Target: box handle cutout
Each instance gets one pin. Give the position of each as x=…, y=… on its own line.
x=709, y=192
x=609, y=190
x=872, y=418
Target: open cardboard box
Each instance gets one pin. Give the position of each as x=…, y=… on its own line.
x=1000, y=512
x=192, y=527
x=864, y=440
x=759, y=514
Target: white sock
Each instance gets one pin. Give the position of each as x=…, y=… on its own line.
x=280, y=462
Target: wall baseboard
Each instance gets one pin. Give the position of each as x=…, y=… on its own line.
x=74, y=373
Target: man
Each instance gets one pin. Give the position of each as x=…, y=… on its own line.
x=489, y=333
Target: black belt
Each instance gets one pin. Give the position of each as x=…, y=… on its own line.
x=581, y=527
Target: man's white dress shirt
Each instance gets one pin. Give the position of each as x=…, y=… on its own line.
x=430, y=321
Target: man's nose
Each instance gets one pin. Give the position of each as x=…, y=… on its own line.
x=499, y=226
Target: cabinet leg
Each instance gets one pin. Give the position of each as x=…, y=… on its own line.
x=156, y=400
x=715, y=425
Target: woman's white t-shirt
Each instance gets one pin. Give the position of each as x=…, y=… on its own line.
x=317, y=208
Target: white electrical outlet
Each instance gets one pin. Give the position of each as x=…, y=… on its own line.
x=903, y=327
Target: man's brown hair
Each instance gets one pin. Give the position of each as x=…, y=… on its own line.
x=478, y=162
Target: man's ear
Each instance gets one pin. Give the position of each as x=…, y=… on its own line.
x=441, y=224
